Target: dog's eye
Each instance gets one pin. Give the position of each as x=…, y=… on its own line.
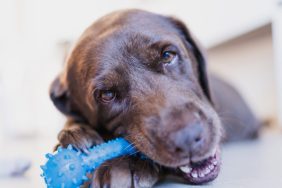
x=168, y=57
x=105, y=96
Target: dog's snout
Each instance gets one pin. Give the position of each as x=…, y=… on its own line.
x=188, y=139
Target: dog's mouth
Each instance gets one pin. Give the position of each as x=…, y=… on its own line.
x=203, y=171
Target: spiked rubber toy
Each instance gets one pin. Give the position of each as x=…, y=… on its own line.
x=67, y=167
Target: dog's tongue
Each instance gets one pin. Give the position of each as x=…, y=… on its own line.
x=202, y=172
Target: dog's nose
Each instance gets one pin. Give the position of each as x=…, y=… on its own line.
x=189, y=139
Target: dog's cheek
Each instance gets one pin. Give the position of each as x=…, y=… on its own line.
x=215, y=129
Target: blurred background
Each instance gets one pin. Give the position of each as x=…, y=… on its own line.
x=242, y=39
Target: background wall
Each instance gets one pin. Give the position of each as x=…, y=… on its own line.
x=247, y=62
x=33, y=34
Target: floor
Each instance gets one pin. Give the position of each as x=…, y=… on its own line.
x=255, y=164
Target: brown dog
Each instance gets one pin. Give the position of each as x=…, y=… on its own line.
x=141, y=76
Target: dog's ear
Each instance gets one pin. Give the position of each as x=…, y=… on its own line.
x=60, y=96
x=191, y=44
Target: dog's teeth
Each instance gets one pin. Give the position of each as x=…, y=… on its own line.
x=211, y=167
x=214, y=162
x=207, y=171
x=194, y=174
x=186, y=169
x=201, y=174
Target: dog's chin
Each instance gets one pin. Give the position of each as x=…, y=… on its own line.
x=203, y=171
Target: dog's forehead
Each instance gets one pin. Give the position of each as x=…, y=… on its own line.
x=124, y=52
x=122, y=26
x=132, y=20
x=123, y=40
x=147, y=21
x=119, y=45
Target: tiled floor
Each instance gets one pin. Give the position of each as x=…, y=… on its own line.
x=256, y=164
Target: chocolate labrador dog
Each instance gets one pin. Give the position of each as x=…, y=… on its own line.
x=141, y=76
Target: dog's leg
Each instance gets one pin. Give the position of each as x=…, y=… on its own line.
x=127, y=172
x=81, y=136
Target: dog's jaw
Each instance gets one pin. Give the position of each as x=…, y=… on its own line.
x=203, y=171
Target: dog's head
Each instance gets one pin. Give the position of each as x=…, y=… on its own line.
x=142, y=76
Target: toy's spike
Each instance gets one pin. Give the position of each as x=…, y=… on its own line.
x=67, y=156
x=72, y=167
x=49, y=180
x=43, y=167
x=48, y=155
x=70, y=147
x=78, y=153
x=63, y=185
x=74, y=181
x=60, y=174
x=60, y=149
x=84, y=178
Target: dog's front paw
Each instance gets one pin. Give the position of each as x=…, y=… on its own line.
x=82, y=138
x=126, y=172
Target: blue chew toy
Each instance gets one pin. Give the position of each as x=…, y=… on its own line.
x=67, y=168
